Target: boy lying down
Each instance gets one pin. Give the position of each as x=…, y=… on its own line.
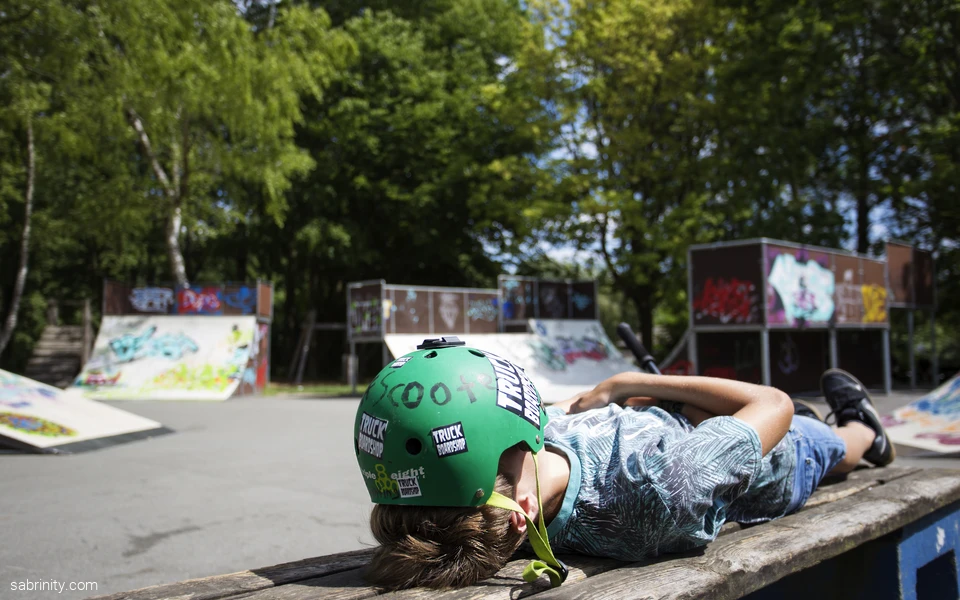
x=462, y=461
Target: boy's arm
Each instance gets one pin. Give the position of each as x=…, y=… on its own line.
x=768, y=410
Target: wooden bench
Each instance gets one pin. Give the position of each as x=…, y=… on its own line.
x=878, y=533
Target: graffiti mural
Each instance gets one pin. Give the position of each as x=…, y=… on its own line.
x=152, y=300
x=131, y=346
x=34, y=425
x=874, y=304
x=42, y=416
x=932, y=422
x=728, y=300
x=517, y=299
x=800, y=287
x=254, y=376
x=561, y=357
x=169, y=357
x=205, y=301
x=243, y=300
x=449, y=308
x=483, y=310
x=557, y=351
x=849, y=298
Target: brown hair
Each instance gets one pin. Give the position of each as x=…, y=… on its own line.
x=441, y=547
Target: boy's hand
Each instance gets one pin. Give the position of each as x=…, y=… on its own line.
x=598, y=397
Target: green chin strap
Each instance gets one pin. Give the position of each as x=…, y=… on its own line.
x=537, y=534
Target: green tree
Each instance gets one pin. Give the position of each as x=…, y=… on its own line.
x=208, y=98
x=633, y=87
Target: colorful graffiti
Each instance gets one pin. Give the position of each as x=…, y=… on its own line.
x=204, y=377
x=205, y=301
x=568, y=350
x=129, y=347
x=932, y=422
x=17, y=392
x=728, y=300
x=244, y=299
x=35, y=425
x=154, y=358
x=849, y=299
x=365, y=316
x=97, y=378
x=152, y=299
x=800, y=287
x=483, y=310
x=874, y=304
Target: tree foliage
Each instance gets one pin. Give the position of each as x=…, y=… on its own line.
x=443, y=141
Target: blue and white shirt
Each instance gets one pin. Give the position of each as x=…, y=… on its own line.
x=644, y=482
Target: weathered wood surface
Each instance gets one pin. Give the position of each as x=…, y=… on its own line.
x=855, y=482
x=224, y=586
x=866, y=505
x=750, y=559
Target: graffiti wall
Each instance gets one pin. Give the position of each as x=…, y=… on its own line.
x=232, y=299
x=800, y=287
x=932, y=422
x=171, y=358
x=518, y=298
x=561, y=357
x=364, y=311
x=39, y=416
x=526, y=298
x=726, y=285
x=255, y=375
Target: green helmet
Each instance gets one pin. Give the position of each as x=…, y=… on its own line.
x=431, y=427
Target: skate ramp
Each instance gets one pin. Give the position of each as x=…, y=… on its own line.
x=41, y=418
x=562, y=357
x=169, y=358
x=932, y=422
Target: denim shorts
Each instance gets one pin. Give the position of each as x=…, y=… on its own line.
x=819, y=450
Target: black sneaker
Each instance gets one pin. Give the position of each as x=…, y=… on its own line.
x=851, y=402
x=806, y=409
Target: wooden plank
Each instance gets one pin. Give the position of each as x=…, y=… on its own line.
x=340, y=576
x=748, y=560
x=224, y=586
x=856, y=482
x=347, y=585
x=508, y=583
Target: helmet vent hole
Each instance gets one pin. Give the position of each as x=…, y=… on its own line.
x=414, y=446
x=477, y=353
x=431, y=354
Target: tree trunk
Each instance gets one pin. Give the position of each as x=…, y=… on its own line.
x=863, y=222
x=175, y=192
x=11, y=322
x=177, y=265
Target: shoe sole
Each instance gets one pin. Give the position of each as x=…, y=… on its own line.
x=871, y=406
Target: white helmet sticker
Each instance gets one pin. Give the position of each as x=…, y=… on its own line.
x=515, y=391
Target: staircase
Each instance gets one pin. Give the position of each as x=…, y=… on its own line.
x=57, y=356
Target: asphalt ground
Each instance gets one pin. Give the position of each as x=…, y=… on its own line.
x=242, y=484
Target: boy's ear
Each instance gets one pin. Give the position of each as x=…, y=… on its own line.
x=517, y=523
x=527, y=502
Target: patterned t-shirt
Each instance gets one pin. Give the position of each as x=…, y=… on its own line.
x=644, y=482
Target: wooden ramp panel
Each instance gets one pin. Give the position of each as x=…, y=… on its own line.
x=841, y=515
